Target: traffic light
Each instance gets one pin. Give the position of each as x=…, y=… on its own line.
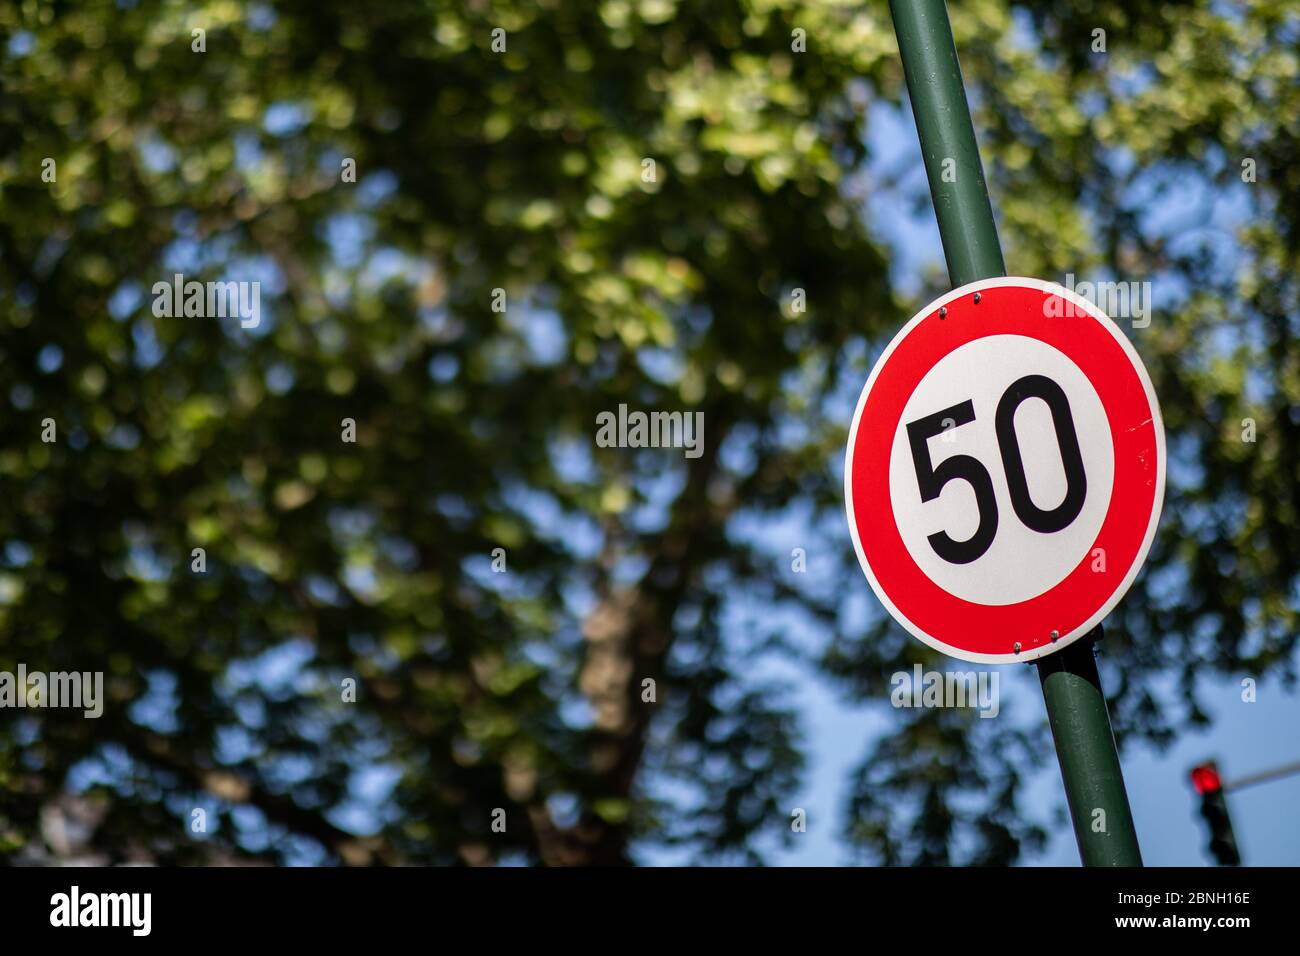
x=1214, y=810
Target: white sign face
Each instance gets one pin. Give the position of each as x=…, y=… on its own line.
x=1005, y=471
x=1019, y=563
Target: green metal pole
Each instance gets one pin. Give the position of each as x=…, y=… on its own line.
x=952, y=160
x=1076, y=705
x=1085, y=746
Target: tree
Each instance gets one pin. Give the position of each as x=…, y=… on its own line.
x=554, y=210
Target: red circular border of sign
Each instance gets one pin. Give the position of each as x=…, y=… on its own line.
x=989, y=631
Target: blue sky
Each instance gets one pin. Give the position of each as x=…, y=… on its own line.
x=1245, y=737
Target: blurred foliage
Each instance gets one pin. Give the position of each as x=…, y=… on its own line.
x=522, y=170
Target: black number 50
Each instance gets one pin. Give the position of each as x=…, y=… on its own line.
x=931, y=480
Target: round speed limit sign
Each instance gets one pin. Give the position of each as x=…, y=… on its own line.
x=1005, y=470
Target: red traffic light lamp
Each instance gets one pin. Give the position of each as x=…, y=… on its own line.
x=1214, y=811
x=1205, y=779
